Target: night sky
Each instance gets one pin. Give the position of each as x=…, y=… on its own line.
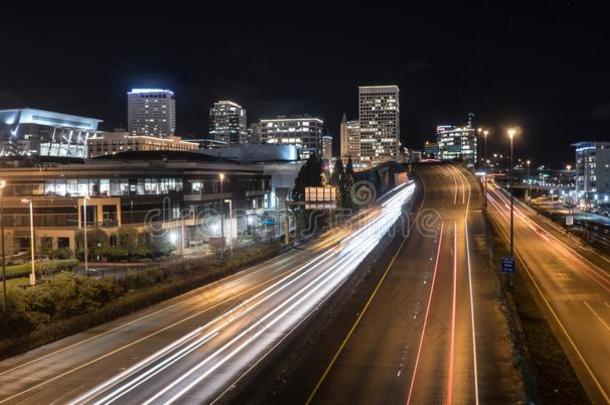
x=542, y=65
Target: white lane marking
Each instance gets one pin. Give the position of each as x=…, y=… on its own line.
x=599, y=318
x=95, y=360
x=474, y=335
x=224, y=315
x=181, y=301
x=556, y=317
x=312, y=287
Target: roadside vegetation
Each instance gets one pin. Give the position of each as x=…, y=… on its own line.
x=67, y=303
x=45, y=267
x=549, y=376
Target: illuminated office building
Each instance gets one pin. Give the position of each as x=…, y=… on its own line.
x=350, y=139
x=592, y=180
x=228, y=123
x=379, y=112
x=327, y=147
x=305, y=132
x=151, y=112
x=457, y=143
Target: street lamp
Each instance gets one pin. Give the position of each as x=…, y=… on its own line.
x=85, y=198
x=511, y=134
x=529, y=180
x=221, y=176
x=33, y=275
x=2, y=184
x=230, y=202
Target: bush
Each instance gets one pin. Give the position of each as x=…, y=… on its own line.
x=62, y=253
x=15, y=322
x=50, y=266
x=68, y=303
x=114, y=253
x=68, y=294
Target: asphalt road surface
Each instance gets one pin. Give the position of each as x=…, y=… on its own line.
x=572, y=285
x=433, y=331
x=194, y=348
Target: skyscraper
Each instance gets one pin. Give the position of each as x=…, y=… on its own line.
x=228, y=122
x=151, y=112
x=254, y=133
x=592, y=180
x=305, y=132
x=350, y=139
x=327, y=147
x=379, y=111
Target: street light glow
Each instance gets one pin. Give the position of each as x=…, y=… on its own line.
x=512, y=132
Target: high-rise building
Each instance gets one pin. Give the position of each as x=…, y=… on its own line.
x=254, y=133
x=151, y=112
x=30, y=132
x=350, y=139
x=457, y=142
x=592, y=180
x=228, y=122
x=327, y=147
x=379, y=111
x=304, y=131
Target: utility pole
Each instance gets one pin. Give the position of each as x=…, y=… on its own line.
x=2, y=184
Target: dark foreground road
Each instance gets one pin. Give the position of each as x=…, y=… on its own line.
x=434, y=331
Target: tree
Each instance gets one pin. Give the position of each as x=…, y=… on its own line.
x=310, y=175
x=346, y=201
x=338, y=174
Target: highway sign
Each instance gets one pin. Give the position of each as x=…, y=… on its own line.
x=508, y=264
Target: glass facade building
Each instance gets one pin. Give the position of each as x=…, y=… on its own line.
x=31, y=132
x=228, y=123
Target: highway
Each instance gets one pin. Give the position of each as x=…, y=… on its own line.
x=197, y=347
x=571, y=284
x=432, y=331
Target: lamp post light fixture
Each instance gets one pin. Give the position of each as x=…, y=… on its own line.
x=2, y=184
x=231, y=231
x=529, y=179
x=221, y=176
x=85, y=198
x=32, y=244
x=511, y=135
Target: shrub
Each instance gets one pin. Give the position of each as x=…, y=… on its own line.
x=114, y=253
x=62, y=253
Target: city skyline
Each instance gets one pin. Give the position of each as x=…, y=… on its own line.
x=493, y=67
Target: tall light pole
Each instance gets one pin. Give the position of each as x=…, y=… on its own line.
x=479, y=133
x=486, y=165
x=85, y=198
x=529, y=179
x=33, y=275
x=570, y=208
x=2, y=184
x=485, y=133
x=230, y=202
x=221, y=176
x=511, y=134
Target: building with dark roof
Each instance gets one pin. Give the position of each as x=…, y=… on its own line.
x=154, y=192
